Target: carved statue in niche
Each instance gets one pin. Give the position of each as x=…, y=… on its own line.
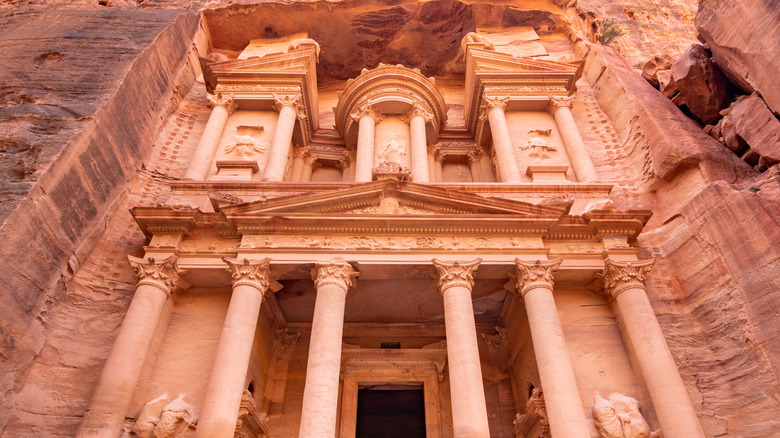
x=619, y=417
x=393, y=152
x=473, y=37
x=245, y=144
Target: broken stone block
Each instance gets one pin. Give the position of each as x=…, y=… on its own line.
x=703, y=89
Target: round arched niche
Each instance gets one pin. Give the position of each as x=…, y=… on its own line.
x=390, y=90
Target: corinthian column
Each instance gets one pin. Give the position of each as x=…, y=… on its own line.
x=625, y=282
x=469, y=411
x=299, y=155
x=564, y=406
x=418, y=118
x=321, y=392
x=560, y=107
x=288, y=107
x=251, y=279
x=117, y=382
x=367, y=118
x=222, y=108
x=502, y=142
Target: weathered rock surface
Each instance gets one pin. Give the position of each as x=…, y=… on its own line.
x=758, y=126
x=744, y=38
x=653, y=66
x=702, y=87
x=84, y=92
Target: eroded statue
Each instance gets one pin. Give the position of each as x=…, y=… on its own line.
x=619, y=417
x=177, y=418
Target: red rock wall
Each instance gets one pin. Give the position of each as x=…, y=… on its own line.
x=84, y=119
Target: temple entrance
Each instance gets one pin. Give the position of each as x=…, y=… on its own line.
x=390, y=411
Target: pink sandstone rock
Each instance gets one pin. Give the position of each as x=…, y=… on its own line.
x=702, y=87
x=744, y=37
x=755, y=123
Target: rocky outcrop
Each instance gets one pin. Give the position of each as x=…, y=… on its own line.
x=743, y=38
x=701, y=86
x=653, y=66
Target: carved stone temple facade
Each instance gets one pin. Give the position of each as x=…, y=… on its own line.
x=430, y=258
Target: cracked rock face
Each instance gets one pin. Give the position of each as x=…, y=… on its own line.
x=423, y=35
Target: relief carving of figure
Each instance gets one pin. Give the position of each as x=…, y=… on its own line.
x=245, y=145
x=619, y=417
x=177, y=418
x=393, y=152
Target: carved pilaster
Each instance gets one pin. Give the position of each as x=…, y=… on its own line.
x=254, y=273
x=224, y=101
x=538, y=274
x=284, y=343
x=452, y=274
x=621, y=276
x=365, y=109
x=335, y=273
x=558, y=102
x=164, y=275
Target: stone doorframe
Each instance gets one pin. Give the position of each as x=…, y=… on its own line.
x=368, y=365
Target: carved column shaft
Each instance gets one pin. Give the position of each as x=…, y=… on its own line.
x=572, y=140
x=419, y=144
x=469, y=410
x=626, y=283
x=309, y=164
x=502, y=141
x=365, y=149
x=321, y=391
x=438, y=158
x=223, y=395
x=476, y=167
x=118, y=380
x=564, y=406
x=282, y=140
x=222, y=107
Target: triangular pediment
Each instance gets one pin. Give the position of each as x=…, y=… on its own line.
x=390, y=197
x=492, y=61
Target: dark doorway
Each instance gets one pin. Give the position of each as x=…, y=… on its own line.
x=391, y=411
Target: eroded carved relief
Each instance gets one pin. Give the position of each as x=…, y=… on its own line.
x=534, y=421
x=539, y=148
x=619, y=417
x=177, y=419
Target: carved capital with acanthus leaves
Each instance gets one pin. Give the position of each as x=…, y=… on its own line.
x=336, y=273
x=535, y=275
x=418, y=110
x=559, y=102
x=619, y=277
x=455, y=274
x=253, y=273
x=164, y=275
x=300, y=152
x=495, y=102
x=291, y=100
x=226, y=101
x=365, y=109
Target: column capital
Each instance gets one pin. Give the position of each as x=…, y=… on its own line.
x=254, y=273
x=475, y=156
x=301, y=152
x=538, y=274
x=366, y=109
x=225, y=101
x=417, y=110
x=312, y=161
x=495, y=102
x=618, y=277
x=164, y=275
x=291, y=100
x=558, y=102
x=452, y=274
x=338, y=273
